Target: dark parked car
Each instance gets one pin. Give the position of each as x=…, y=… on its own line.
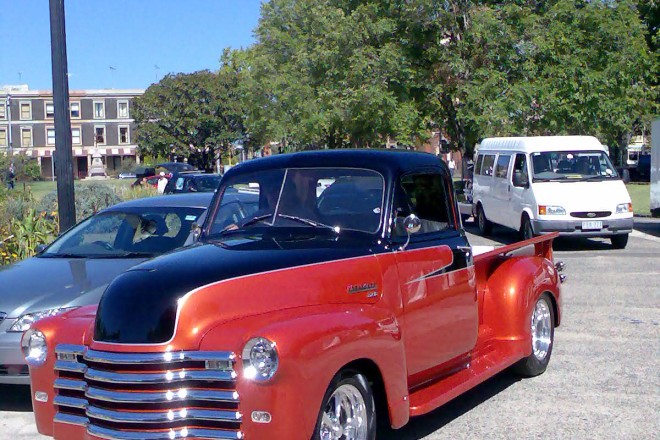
x=75, y=269
x=192, y=182
x=176, y=167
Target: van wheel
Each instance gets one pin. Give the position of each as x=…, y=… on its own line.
x=542, y=339
x=485, y=226
x=348, y=410
x=619, y=241
x=526, y=230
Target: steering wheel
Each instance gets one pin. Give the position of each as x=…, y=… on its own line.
x=230, y=214
x=104, y=244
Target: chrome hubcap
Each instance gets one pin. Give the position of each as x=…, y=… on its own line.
x=541, y=330
x=344, y=416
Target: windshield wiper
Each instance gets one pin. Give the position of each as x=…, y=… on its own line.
x=129, y=255
x=309, y=222
x=252, y=221
x=62, y=256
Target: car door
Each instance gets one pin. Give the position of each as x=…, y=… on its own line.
x=501, y=190
x=436, y=278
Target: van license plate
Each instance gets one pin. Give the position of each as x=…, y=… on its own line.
x=592, y=225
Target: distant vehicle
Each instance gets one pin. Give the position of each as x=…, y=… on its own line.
x=192, y=182
x=151, y=181
x=538, y=185
x=176, y=167
x=75, y=269
x=127, y=175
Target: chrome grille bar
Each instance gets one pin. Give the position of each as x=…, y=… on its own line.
x=70, y=384
x=165, y=416
x=171, y=376
x=197, y=433
x=74, y=367
x=169, y=357
x=71, y=402
x=161, y=397
x=71, y=419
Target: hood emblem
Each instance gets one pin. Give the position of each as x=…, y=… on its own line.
x=359, y=288
x=591, y=214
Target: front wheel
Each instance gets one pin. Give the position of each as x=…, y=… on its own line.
x=619, y=241
x=542, y=338
x=526, y=230
x=348, y=411
x=485, y=226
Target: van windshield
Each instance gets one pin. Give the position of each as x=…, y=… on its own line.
x=571, y=166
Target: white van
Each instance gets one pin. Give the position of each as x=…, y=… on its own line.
x=538, y=185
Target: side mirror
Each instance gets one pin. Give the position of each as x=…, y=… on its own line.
x=196, y=230
x=40, y=248
x=520, y=180
x=412, y=224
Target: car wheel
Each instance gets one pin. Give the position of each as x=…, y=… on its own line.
x=542, y=338
x=485, y=226
x=619, y=241
x=526, y=230
x=348, y=410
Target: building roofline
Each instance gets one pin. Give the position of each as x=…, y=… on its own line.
x=73, y=93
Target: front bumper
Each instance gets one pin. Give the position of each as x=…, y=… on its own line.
x=574, y=227
x=13, y=369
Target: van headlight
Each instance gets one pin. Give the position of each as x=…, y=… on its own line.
x=260, y=359
x=551, y=210
x=24, y=322
x=622, y=208
x=34, y=347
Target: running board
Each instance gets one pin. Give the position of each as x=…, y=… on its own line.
x=502, y=355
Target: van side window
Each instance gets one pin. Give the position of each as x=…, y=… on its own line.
x=487, y=165
x=502, y=166
x=477, y=167
x=425, y=196
x=520, y=164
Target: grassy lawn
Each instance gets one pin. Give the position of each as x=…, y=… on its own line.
x=640, y=195
x=40, y=189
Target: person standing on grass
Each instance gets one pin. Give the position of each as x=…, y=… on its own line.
x=452, y=166
x=162, y=183
x=10, y=177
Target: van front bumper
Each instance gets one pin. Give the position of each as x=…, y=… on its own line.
x=574, y=227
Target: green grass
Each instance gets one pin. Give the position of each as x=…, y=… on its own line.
x=40, y=189
x=640, y=193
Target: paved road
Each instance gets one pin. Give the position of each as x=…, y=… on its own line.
x=603, y=381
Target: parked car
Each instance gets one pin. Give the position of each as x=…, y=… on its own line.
x=149, y=181
x=304, y=319
x=176, y=167
x=543, y=184
x=192, y=182
x=75, y=269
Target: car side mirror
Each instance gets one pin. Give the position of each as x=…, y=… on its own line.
x=40, y=248
x=412, y=224
x=520, y=180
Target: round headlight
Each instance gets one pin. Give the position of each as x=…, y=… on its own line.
x=34, y=347
x=260, y=359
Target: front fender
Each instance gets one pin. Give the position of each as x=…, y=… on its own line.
x=313, y=344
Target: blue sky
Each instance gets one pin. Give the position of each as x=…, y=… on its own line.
x=133, y=36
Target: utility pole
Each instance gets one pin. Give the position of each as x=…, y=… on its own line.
x=63, y=149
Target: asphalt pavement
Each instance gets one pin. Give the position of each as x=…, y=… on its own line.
x=603, y=381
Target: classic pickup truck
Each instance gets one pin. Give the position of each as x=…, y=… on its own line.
x=344, y=300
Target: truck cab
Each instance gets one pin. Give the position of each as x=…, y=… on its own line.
x=344, y=293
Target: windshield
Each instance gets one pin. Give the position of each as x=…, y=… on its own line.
x=205, y=183
x=572, y=165
x=333, y=199
x=135, y=232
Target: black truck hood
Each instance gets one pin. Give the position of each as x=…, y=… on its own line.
x=140, y=305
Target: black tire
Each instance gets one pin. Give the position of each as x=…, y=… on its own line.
x=354, y=381
x=536, y=363
x=526, y=230
x=485, y=226
x=619, y=241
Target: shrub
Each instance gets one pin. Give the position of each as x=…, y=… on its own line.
x=90, y=199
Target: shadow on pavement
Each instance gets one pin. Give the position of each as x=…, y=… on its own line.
x=15, y=398
x=422, y=426
x=648, y=226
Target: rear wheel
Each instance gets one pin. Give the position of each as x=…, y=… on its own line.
x=485, y=226
x=348, y=411
x=526, y=230
x=619, y=241
x=542, y=338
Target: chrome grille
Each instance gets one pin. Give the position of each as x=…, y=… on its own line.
x=591, y=214
x=148, y=396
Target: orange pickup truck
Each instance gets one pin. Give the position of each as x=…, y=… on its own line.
x=336, y=296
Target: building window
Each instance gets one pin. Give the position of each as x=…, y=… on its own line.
x=99, y=109
x=99, y=135
x=26, y=111
x=26, y=137
x=3, y=137
x=3, y=111
x=75, y=136
x=50, y=136
x=122, y=109
x=75, y=110
x=124, y=135
x=50, y=110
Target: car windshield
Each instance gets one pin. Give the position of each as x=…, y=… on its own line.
x=134, y=232
x=572, y=165
x=333, y=199
x=205, y=183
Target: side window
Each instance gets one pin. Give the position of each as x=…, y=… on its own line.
x=520, y=164
x=477, y=166
x=502, y=166
x=487, y=165
x=424, y=195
